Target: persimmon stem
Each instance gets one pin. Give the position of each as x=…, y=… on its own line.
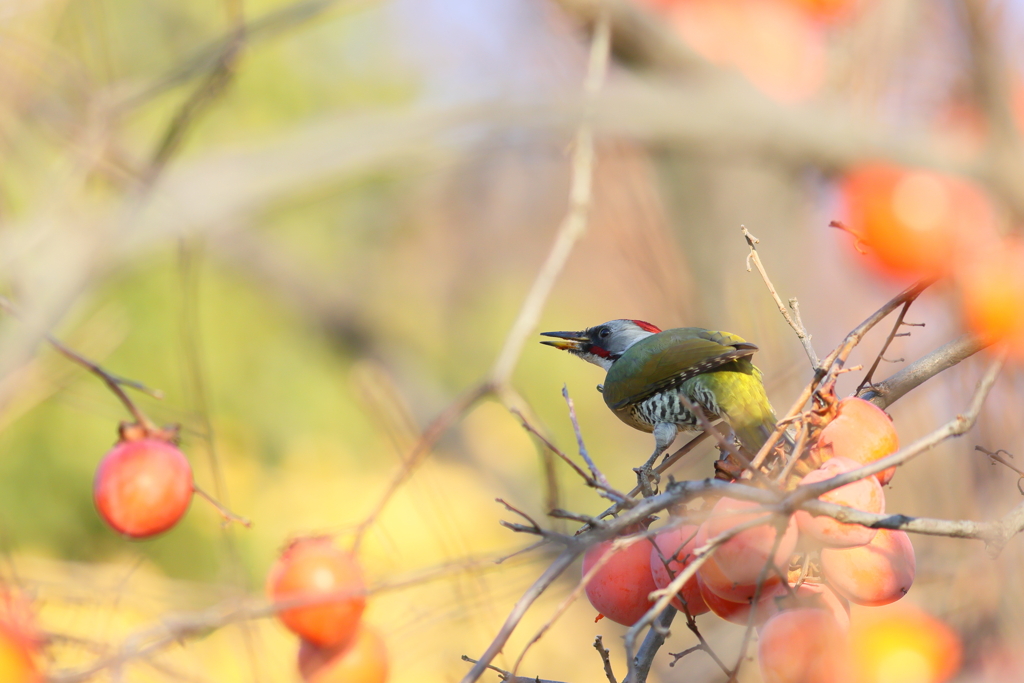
x=227, y=514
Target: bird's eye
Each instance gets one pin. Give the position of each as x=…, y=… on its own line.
x=604, y=332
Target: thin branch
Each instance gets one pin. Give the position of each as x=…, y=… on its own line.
x=660, y=469
x=596, y=474
x=702, y=644
x=221, y=509
x=866, y=382
x=113, y=382
x=554, y=570
x=640, y=37
x=605, y=659
x=617, y=546
x=797, y=324
x=423, y=446
x=605, y=489
x=517, y=511
x=575, y=222
x=508, y=676
x=997, y=457
x=994, y=533
x=794, y=457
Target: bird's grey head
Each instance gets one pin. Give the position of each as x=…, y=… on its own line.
x=602, y=344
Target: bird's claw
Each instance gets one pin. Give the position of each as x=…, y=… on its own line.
x=647, y=479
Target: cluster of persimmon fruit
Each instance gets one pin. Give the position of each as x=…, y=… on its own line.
x=793, y=577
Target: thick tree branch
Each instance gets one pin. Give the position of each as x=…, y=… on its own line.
x=719, y=113
x=885, y=393
x=652, y=643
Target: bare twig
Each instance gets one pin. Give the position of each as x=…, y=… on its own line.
x=618, y=546
x=796, y=324
x=993, y=533
x=590, y=480
x=508, y=676
x=605, y=659
x=640, y=37
x=113, y=382
x=660, y=469
x=223, y=511
x=519, y=512
x=858, y=239
x=997, y=457
x=702, y=644
x=794, y=457
x=554, y=570
x=596, y=474
x=575, y=222
x=420, y=451
x=866, y=382
x=888, y=391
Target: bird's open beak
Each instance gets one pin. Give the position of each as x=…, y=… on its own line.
x=571, y=341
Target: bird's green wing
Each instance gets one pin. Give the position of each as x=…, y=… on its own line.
x=668, y=359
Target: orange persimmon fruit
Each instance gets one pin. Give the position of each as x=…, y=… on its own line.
x=742, y=557
x=803, y=645
x=902, y=643
x=315, y=569
x=862, y=432
x=620, y=587
x=672, y=553
x=915, y=223
x=364, y=659
x=143, y=487
x=864, y=494
x=875, y=574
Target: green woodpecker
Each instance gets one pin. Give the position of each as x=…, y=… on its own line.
x=649, y=369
